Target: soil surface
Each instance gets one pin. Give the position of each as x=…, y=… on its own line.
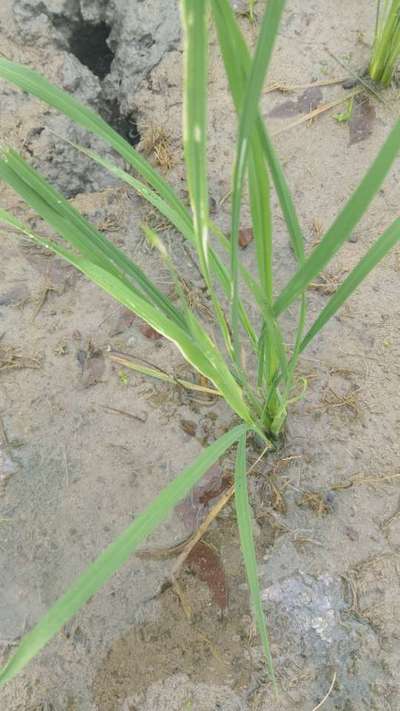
x=86, y=443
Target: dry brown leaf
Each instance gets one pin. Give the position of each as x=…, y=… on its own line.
x=149, y=332
x=205, y=562
x=245, y=236
x=196, y=505
x=93, y=365
x=189, y=427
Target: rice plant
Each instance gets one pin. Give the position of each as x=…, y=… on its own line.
x=260, y=402
x=386, y=47
x=251, y=10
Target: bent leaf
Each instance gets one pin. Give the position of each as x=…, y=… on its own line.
x=374, y=255
x=35, y=84
x=113, y=557
x=344, y=223
x=203, y=356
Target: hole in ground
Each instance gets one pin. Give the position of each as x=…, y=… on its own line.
x=88, y=42
x=126, y=126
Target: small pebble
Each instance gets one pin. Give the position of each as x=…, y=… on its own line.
x=350, y=83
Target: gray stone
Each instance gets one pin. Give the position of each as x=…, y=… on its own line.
x=312, y=621
x=80, y=81
x=62, y=164
x=36, y=19
x=140, y=34
x=93, y=10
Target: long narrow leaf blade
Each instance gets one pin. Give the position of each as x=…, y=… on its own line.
x=195, y=22
x=115, y=556
x=202, y=354
x=163, y=207
x=344, y=223
x=248, y=118
x=374, y=255
x=248, y=548
x=75, y=229
x=187, y=230
x=195, y=25
x=32, y=82
x=237, y=63
x=259, y=195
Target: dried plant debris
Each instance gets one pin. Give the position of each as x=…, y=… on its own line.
x=156, y=222
x=273, y=486
x=245, y=236
x=196, y=299
x=34, y=249
x=320, y=503
x=188, y=426
x=117, y=411
x=361, y=123
x=149, y=332
x=348, y=401
x=317, y=231
x=327, y=282
x=42, y=297
x=110, y=223
x=373, y=480
x=159, y=553
x=12, y=358
x=7, y=466
x=204, y=561
x=196, y=505
x=156, y=144
x=92, y=362
x=278, y=501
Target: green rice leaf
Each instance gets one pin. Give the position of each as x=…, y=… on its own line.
x=32, y=82
x=343, y=224
x=217, y=266
x=248, y=118
x=56, y=210
x=261, y=219
x=115, y=555
x=237, y=63
x=195, y=23
x=202, y=354
x=248, y=548
x=262, y=228
x=164, y=208
x=386, y=49
x=374, y=255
